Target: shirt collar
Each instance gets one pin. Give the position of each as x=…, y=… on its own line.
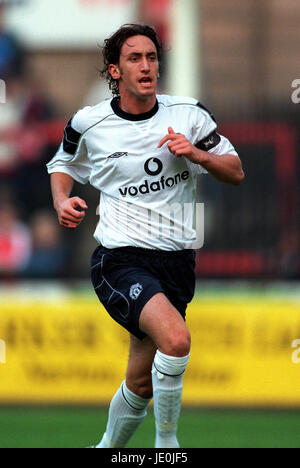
x=133, y=117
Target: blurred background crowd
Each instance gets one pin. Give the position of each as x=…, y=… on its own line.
x=249, y=59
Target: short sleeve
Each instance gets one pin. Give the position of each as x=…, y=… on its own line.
x=71, y=157
x=206, y=137
x=204, y=123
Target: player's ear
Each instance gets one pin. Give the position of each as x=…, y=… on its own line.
x=114, y=71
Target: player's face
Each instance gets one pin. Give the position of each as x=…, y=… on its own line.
x=138, y=67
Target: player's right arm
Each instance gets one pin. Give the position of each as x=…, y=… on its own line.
x=68, y=165
x=66, y=207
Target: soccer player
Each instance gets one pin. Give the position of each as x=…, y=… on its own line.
x=143, y=152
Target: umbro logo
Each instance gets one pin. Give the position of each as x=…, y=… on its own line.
x=117, y=155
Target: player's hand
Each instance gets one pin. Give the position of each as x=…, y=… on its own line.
x=71, y=211
x=179, y=145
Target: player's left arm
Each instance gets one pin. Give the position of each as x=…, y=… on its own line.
x=225, y=168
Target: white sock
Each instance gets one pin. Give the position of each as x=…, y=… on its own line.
x=167, y=379
x=126, y=412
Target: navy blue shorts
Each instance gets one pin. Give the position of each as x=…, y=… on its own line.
x=126, y=278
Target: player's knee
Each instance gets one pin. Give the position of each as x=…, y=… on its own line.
x=179, y=344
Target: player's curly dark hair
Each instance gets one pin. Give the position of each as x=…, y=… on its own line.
x=112, y=49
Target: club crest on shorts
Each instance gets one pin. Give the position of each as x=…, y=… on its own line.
x=135, y=291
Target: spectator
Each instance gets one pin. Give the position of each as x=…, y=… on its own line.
x=11, y=52
x=48, y=258
x=15, y=241
x=23, y=147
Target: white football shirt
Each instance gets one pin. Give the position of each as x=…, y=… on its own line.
x=147, y=195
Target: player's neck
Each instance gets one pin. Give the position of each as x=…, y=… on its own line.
x=135, y=105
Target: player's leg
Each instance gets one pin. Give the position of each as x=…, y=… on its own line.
x=148, y=313
x=166, y=327
x=128, y=407
x=138, y=375
x=162, y=322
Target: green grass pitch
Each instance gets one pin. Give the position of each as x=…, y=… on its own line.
x=81, y=427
